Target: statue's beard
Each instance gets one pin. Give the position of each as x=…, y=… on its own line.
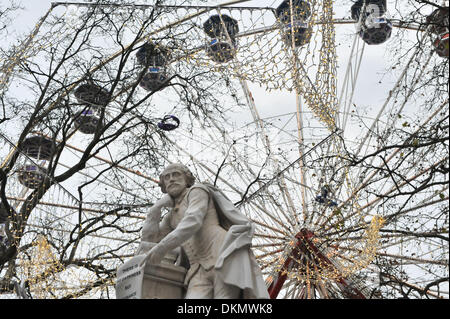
x=175, y=189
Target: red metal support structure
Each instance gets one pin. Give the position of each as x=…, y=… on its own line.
x=305, y=246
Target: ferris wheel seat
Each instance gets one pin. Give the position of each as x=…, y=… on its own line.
x=169, y=123
x=38, y=147
x=154, y=80
x=380, y=20
x=92, y=94
x=221, y=51
x=32, y=176
x=154, y=70
x=153, y=55
x=376, y=22
x=87, y=121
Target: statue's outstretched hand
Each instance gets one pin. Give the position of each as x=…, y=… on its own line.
x=154, y=256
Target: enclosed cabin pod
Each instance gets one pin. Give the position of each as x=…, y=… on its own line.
x=155, y=59
x=31, y=175
x=40, y=148
x=92, y=95
x=222, y=29
x=87, y=121
x=92, y=98
x=295, y=22
x=438, y=24
x=373, y=24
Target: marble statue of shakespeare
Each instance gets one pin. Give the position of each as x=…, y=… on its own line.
x=212, y=233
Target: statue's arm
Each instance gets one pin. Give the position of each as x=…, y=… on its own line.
x=153, y=230
x=191, y=222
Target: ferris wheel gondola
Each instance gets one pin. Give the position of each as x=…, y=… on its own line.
x=222, y=29
x=155, y=61
x=87, y=121
x=296, y=23
x=373, y=24
x=92, y=98
x=32, y=176
x=38, y=147
x=92, y=94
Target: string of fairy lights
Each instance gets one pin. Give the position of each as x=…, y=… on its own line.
x=325, y=271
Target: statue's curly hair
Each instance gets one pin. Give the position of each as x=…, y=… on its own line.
x=190, y=179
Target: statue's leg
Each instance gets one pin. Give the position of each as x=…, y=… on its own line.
x=201, y=285
x=224, y=291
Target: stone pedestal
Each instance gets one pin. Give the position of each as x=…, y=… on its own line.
x=164, y=281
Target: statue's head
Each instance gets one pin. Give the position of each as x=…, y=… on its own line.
x=176, y=177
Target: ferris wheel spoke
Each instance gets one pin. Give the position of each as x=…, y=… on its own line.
x=381, y=111
x=280, y=219
x=203, y=165
x=406, y=181
x=399, y=257
x=247, y=180
x=350, y=79
x=291, y=287
x=307, y=89
x=258, y=121
x=368, y=179
x=91, y=235
x=395, y=117
x=381, y=196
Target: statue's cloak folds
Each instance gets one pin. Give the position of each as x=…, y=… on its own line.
x=236, y=264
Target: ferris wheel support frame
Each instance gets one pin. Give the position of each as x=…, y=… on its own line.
x=391, y=93
x=396, y=116
x=304, y=244
x=299, y=113
x=264, y=138
x=367, y=180
x=350, y=77
x=136, y=41
x=353, y=80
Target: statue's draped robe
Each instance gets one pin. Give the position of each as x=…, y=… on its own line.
x=235, y=263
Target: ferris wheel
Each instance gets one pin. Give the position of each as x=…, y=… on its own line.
x=345, y=200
